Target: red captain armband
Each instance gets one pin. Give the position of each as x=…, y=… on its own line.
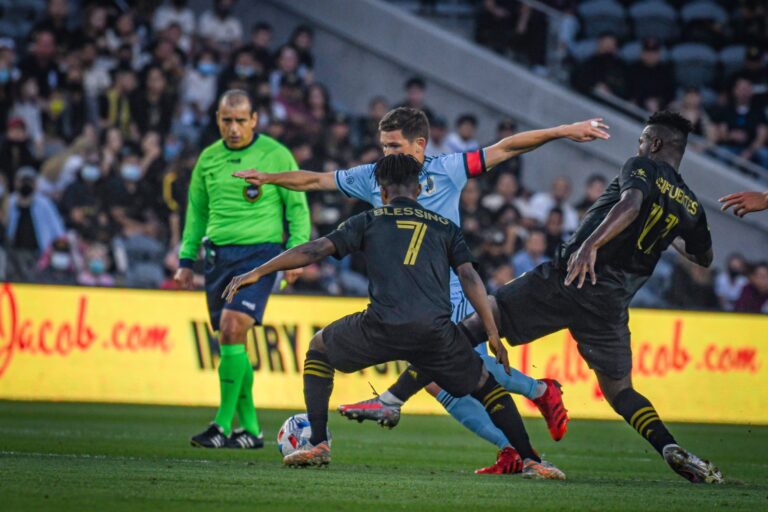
x=474, y=163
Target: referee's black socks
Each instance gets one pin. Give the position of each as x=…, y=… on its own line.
x=504, y=414
x=318, y=385
x=640, y=414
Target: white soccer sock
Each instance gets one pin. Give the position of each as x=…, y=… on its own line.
x=388, y=398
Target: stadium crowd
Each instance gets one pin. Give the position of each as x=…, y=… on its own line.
x=104, y=117
x=704, y=58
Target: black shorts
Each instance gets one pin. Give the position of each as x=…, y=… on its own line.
x=537, y=303
x=222, y=263
x=358, y=341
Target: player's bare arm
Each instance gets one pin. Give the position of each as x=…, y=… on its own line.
x=745, y=202
x=704, y=259
x=298, y=257
x=523, y=142
x=303, y=181
x=582, y=262
x=474, y=289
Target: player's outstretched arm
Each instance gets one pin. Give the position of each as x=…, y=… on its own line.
x=745, y=202
x=474, y=289
x=582, y=262
x=298, y=257
x=523, y=142
x=303, y=181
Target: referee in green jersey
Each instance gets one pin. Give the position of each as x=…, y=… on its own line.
x=243, y=227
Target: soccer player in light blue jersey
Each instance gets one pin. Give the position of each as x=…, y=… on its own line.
x=406, y=130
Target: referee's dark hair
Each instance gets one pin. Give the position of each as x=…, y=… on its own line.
x=397, y=171
x=236, y=97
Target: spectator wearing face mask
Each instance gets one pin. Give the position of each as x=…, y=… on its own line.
x=33, y=224
x=730, y=283
x=754, y=296
x=198, y=90
x=244, y=72
x=130, y=198
x=58, y=265
x=82, y=205
x=96, y=267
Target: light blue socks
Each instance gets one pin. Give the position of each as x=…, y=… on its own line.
x=471, y=413
x=516, y=382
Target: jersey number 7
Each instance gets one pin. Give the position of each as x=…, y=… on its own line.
x=418, y=228
x=649, y=236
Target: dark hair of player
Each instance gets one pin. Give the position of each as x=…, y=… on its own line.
x=672, y=120
x=412, y=122
x=398, y=172
x=672, y=129
x=236, y=97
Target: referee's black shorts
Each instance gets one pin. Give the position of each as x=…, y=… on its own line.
x=537, y=304
x=358, y=341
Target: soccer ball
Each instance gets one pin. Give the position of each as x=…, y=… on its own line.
x=294, y=433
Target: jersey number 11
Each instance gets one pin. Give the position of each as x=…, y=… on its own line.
x=649, y=235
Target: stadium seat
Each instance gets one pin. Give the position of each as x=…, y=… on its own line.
x=732, y=58
x=703, y=10
x=630, y=52
x=584, y=49
x=599, y=16
x=695, y=64
x=654, y=18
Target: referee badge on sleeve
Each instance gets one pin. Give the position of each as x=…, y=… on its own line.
x=251, y=193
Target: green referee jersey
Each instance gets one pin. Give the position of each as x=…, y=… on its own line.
x=229, y=211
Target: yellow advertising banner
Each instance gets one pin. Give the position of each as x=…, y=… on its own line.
x=116, y=345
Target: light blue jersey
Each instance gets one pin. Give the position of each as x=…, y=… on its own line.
x=442, y=180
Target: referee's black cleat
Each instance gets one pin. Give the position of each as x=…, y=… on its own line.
x=212, y=437
x=244, y=440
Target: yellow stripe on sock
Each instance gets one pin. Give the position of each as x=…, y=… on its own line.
x=647, y=422
x=321, y=368
x=318, y=374
x=492, y=397
x=315, y=362
x=639, y=421
x=638, y=414
x=494, y=390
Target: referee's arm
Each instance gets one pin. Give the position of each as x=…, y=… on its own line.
x=194, y=226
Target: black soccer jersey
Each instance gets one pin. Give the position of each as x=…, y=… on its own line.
x=409, y=252
x=669, y=209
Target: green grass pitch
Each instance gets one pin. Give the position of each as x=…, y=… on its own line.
x=123, y=457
